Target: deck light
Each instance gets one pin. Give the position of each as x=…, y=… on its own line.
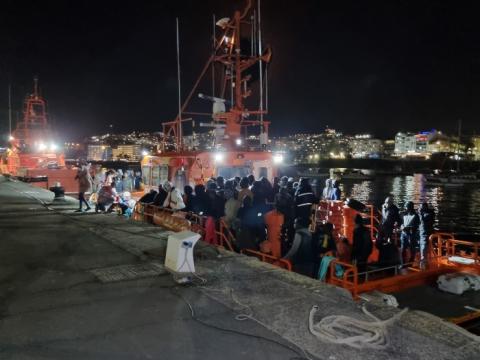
x=218, y=157
x=238, y=142
x=144, y=152
x=278, y=158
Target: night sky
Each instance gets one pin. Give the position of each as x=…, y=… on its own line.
x=353, y=65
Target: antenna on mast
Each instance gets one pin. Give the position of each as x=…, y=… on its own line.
x=9, y=112
x=35, y=86
x=179, y=117
x=263, y=139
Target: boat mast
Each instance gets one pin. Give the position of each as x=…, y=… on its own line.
x=9, y=112
x=458, y=144
x=260, y=66
x=179, y=116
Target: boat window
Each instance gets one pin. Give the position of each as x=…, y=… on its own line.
x=263, y=172
x=155, y=176
x=230, y=172
x=146, y=173
x=180, y=180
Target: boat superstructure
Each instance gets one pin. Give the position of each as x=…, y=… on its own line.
x=237, y=58
x=34, y=154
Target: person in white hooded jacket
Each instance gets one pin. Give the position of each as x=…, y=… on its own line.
x=174, y=198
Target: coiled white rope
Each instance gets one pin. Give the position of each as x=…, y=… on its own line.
x=346, y=330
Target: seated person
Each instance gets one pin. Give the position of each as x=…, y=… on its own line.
x=106, y=198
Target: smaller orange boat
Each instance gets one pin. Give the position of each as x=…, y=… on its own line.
x=34, y=156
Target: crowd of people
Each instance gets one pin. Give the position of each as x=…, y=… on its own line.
x=109, y=190
x=274, y=218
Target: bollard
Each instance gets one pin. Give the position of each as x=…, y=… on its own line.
x=59, y=192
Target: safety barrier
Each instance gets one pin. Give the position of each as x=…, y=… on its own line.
x=437, y=244
x=349, y=278
x=283, y=263
x=464, y=249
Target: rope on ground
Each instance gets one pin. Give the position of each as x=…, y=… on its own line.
x=347, y=330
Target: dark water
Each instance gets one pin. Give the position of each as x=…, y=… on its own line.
x=457, y=208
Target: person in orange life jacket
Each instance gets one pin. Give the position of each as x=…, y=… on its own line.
x=301, y=254
x=174, y=198
x=408, y=237
x=362, y=244
x=304, y=199
x=274, y=222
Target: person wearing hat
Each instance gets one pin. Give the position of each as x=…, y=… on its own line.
x=408, y=237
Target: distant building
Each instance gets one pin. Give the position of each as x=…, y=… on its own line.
x=99, y=152
x=476, y=147
x=405, y=143
x=131, y=152
x=389, y=147
x=364, y=146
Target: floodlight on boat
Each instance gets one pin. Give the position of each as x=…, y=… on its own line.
x=42, y=146
x=11, y=138
x=238, y=142
x=53, y=147
x=278, y=158
x=218, y=156
x=144, y=153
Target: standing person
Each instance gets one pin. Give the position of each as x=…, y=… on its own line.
x=200, y=207
x=327, y=190
x=119, y=184
x=336, y=192
x=188, y=198
x=274, y=220
x=276, y=185
x=290, y=188
x=245, y=235
x=251, y=179
x=84, y=185
x=362, y=244
x=390, y=218
x=127, y=182
x=231, y=207
x=408, y=237
x=284, y=204
x=427, y=219
x=244, y=189
x=301, y=254
x=304, y=199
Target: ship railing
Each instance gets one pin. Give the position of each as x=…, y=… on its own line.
x=349, y=278
x=264, y=257
x=437, y=243
x=463, y=249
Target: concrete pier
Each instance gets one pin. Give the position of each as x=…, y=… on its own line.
x=92, y=286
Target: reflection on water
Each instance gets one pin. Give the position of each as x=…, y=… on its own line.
x=457, y=208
